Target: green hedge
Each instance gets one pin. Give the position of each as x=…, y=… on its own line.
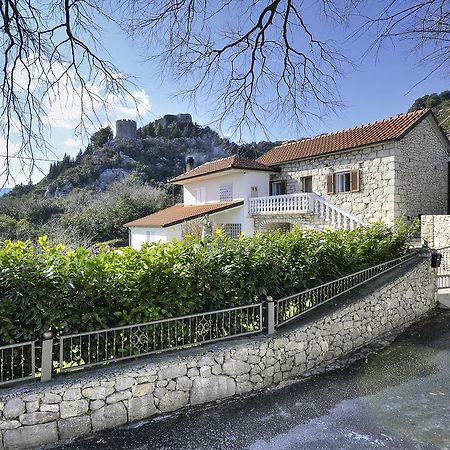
x=73, y=291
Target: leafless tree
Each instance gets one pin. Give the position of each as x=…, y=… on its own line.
x=50, y=51
x=252, y=61
x=424, y=24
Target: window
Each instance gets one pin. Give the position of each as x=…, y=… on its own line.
x=150, y=236
x=278, y=187
x=254, y=191
x=200, y=195
x=306, y=184
x=232, y=230
x=342, y=182
x=226, y=192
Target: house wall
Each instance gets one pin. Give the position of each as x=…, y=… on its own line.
x=421, y=169
x=77, y=404
x=435, y=230
x=232, y=216
x=403, y=178
x=374, y=201
x=138, y=235
x=236, y=215
x=242, y=182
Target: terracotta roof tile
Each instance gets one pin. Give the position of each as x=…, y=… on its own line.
x=371, y=133
x=230, y=162
x=180, y=213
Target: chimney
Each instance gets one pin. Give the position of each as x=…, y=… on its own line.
x=189, y=163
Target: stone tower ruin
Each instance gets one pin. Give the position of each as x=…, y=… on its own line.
x=126, y=129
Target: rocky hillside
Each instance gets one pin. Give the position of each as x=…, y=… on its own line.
x=88, y=198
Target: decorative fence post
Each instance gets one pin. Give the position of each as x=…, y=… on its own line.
x=47, y=356
x=270, y=315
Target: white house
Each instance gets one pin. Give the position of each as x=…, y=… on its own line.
x=396, y=167
x=220, y=189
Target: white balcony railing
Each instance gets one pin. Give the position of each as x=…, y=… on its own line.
x=293, y=203
x=304, y=203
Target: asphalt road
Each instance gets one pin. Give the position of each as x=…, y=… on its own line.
x=398, y=398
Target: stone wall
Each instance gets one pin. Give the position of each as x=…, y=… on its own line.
x=435, y=230
x=77, y=404
x=374, y=201
x=126, y=129
x=421, y=172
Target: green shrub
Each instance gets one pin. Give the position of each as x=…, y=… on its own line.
x=70, y=291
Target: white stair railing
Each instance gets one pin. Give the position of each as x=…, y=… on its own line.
x=331, y=213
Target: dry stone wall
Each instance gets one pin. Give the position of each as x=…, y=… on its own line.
x=79, y=404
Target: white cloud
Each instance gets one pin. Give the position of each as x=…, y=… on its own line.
x=71, y=142
x=67, y=102
x=65, y=110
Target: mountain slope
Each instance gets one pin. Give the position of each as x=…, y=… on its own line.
x=87, y=199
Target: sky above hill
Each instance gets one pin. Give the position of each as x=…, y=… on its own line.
x=377, y=86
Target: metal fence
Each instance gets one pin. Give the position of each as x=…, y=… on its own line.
x=293, y=306
x=443, y=271
x=17, y=362
x=114, y=344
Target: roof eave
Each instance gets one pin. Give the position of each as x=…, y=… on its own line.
x=215, y=211
x=179, y=181
x=322, y=155
x=196, y=216
x=415, y=123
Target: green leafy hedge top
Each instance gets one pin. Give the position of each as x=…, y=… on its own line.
x=71, y=291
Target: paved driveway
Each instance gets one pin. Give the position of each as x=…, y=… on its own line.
x=396, y=399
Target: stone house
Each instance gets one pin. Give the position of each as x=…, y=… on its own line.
x=392, y=168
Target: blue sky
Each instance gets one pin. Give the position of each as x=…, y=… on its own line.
x=376, y=88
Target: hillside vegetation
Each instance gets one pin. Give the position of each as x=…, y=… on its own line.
x=439, y=103
x=87, y=199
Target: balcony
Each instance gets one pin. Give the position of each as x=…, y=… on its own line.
x=282, y=204
x=304, y=203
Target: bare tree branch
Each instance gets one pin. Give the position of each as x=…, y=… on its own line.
x=254, y=61
x=425, y=24
x=50, y=50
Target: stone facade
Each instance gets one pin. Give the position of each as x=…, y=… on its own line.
x=435, y=231
x=100, y=399
x=267, y=223
x=126, y=129
x=421, y=172
x=397, y=179
x=374, y=201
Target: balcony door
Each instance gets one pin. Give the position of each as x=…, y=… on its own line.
x=278, y=187
x=306, y=184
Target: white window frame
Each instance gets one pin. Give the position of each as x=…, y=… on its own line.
x=277, y=187
x=200, y=195
x=150, y=236
x=226, y=192
x=303, y=182
x=341, y=184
